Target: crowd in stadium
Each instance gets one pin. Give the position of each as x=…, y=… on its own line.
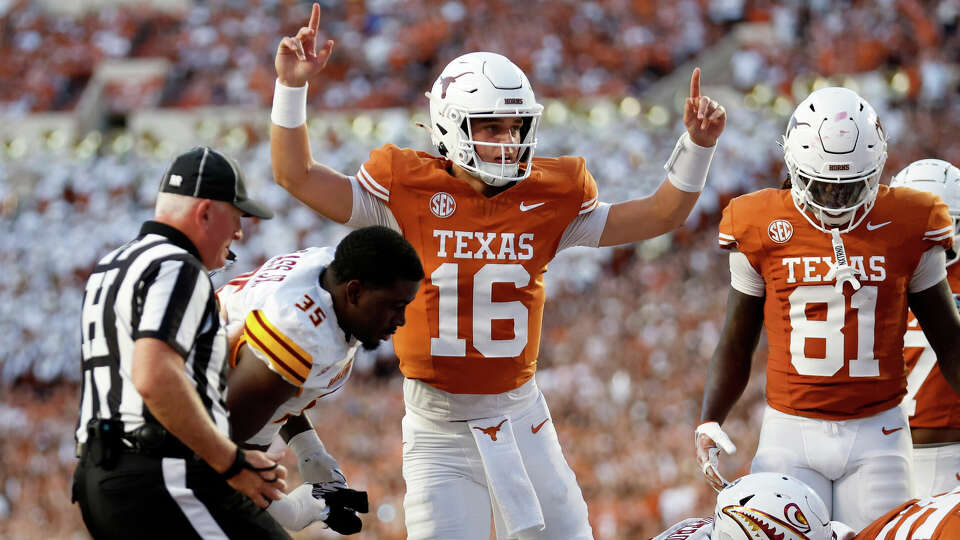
x=627, y=331
x=388, y=52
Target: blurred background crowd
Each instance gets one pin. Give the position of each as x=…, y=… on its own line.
x=86, y=131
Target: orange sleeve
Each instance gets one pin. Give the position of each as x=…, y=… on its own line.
x=726, y=236
x=939, y=229
x=588, y=200
x=740, y=223
x=376, y=174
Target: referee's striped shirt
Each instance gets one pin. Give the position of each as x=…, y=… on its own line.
x=153, y=287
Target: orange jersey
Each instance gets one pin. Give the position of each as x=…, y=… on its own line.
x=932, y=518
x=930, y=401
x=835, y=355
x=474, y=327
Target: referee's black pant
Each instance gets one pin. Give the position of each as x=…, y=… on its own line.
x=166, y=497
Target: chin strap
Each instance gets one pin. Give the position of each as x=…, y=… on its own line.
x=840, y=269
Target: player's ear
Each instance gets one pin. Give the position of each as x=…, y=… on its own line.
x=353, y=290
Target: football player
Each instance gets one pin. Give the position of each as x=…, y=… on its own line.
x=486, y=217
x=303, y=316
x=771, y=506
x=931, y=405
x=829, y=266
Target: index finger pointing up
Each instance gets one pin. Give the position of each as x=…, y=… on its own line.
x=315, y=17
x=695, y=83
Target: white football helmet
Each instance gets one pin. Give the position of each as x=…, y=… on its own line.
x=835, y=150
x=483, y=85
x=940, y=178
x=770, y=506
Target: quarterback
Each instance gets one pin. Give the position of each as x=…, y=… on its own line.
x=770, y=506
x=486, y=217
x=303, y=316
x=932, y=406
x=829, y=267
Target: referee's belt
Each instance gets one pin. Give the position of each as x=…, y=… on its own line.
x=151, y=440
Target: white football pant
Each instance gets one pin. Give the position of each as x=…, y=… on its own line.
x=936, y=469
x=860, y=468
x=447, y=495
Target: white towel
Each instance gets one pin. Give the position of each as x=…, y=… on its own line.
x=507, y=477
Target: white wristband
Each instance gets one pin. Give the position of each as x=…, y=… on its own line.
x=315, y=463
x=688, y=164
x=289, y=105
x=306, y=443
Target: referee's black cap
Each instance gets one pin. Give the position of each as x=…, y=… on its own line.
x=205, y=173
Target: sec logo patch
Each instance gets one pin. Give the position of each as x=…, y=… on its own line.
x=780, y=230
x=442, y=205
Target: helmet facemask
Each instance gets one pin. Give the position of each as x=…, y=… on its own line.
x=513, y=157
x=835, y=201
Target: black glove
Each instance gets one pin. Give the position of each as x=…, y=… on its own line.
x=344, y=503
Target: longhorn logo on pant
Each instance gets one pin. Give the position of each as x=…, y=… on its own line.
x=492, y=430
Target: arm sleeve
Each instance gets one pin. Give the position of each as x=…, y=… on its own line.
x=587, y=226
x=931, y=269
x=376, y=174
x=939, y=227
x=369, y=209
x=744, y=277
x=175, y=304
x=725, y=235
x=586, y=229
x=589, y=195
x=280, y=353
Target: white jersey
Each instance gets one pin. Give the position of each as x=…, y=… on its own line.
x=290, y=325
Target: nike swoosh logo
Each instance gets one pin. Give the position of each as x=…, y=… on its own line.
x=536, y=428
x=872, y=227
x=889, y=431
x=527, y=207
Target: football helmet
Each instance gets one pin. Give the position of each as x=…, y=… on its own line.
x=940, y=178
x=770, y=506
x=835, y=149
x=483, y=85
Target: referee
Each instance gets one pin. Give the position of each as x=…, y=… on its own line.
x=155, y=457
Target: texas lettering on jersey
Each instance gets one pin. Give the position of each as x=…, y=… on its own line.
x=930, y=401
x=835, y=355
x=290, y=325
x=474, y=327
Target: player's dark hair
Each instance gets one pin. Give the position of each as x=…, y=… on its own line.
x=377, y=257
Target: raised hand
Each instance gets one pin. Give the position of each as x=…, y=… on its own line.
x=297, y=59
x=703, y=117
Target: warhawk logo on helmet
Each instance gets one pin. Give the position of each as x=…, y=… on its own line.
x=770, y=506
